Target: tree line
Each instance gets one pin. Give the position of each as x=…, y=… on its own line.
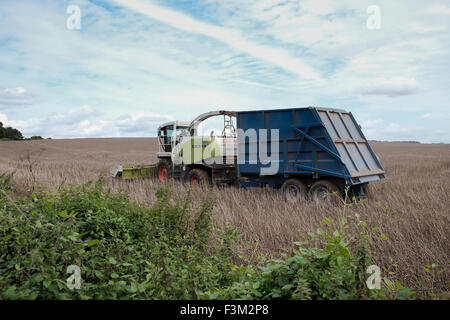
x=10, y=133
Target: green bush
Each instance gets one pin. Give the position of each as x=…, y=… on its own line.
x=168, y=251
x=125, y=251
x=306, y=273
x=8, y=133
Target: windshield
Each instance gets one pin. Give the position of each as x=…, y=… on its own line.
x=181, y=131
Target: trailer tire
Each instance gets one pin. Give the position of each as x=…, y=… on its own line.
x=164, y=170
x=294, y=190
x=198, y=177
x=366, y=189
x=324, y=191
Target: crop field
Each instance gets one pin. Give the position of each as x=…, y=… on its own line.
x=408, y=213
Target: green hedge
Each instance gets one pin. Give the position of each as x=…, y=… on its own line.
x=169, y=251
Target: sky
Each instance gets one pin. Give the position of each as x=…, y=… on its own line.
x=134, y=64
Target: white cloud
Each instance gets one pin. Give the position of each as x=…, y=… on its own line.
x=91, y=128
x=229, y=36
x=183, y=60
x=317, y=6
x=382, y=131
x=12, y=97
x=85, y=122
x=75, y=115
x=439, y=9
x=12, y=123
x=391, y=87
x=370, y=124
x=394, y=128
x=425, y=28
x=141, y=124
x=3, y=119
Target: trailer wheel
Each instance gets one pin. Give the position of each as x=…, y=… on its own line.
x=198, y=177
x=294, y=190
x=163, y=170
x=366, y=189
x=324, y=191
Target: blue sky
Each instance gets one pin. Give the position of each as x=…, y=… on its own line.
x=137, y=63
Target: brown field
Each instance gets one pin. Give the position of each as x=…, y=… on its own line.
x=411, y=207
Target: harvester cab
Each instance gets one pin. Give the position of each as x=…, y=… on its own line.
x=186, y=154
x=169, y=135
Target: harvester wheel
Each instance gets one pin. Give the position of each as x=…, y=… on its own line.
x=164, y=170
x=324, y=191
x=294, y=190
x=198, y=177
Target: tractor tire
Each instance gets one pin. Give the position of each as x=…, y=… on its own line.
x=197, y=178
x=294, y=190
x=324, y=191
x=164, y=170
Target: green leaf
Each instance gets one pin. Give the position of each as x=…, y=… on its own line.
x=63, y=214
x=93, y=242
x=389, y=283
x=83, y=234
x=403, y=293
x=133, y=288
x=33, y=295
x=99, y=274
x=287, y=287
x=37, y=278
x=340, y=261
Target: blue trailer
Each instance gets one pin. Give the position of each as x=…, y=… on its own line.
x=309, y=152
x=319, y=151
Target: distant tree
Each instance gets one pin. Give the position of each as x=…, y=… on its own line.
x=13, y=134
x=36, y=138
x=2, y=131
x=10, y=133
